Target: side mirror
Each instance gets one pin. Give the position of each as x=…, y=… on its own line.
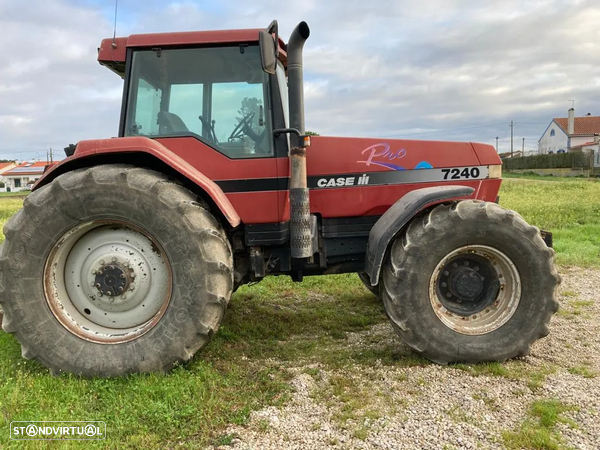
x=269, y=47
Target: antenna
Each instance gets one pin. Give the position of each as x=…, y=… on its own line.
x=114, y=44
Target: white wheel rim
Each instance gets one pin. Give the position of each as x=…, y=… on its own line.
x=108, y=281
x=497, y=313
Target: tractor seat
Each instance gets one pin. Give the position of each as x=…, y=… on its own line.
x=169, y=123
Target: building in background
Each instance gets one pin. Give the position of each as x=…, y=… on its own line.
x=22, y=177
x=5, y=167
x=570, y=133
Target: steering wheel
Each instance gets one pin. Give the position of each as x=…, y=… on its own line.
x=238, y=131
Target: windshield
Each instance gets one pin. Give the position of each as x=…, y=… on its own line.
x=218, y=94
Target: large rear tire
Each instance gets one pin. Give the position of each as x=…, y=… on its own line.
x=113, y=270
x=470, y=282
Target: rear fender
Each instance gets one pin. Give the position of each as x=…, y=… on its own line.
x=400, y=213
x=143, y=152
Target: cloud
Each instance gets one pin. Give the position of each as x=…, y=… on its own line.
x=52, y=90
x=430, y=69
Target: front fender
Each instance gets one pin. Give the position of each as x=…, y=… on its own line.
x=97, y=151
x=399, y=214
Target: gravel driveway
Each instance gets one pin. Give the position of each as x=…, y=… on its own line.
x=425, y=406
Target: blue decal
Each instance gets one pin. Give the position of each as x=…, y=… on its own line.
x=423, y=165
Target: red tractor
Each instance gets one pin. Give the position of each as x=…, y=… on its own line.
x=125, y=255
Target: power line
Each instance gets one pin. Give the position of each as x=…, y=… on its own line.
x=447, y=131
x=18, y=151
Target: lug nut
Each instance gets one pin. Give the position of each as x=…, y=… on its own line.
x=98, y=285
x=124, y=297
x=122, y=276
x=120, y=289
x=108, y=293
x=114, y=260
x=111, y=267
x=132, y=287
x=101, y=262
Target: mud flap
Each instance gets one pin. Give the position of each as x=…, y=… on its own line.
x=547, y=237
x=395, y=218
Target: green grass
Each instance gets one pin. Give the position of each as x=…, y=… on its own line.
x=568, y=207
x=512, y=370
x=584, y=371
x=538, y=432
x=9, y=205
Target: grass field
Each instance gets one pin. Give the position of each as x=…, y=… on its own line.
x=265, y=326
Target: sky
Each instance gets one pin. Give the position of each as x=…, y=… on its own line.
x=456, y=70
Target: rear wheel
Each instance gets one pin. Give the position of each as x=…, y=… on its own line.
x=113, y=270
x=470, y=282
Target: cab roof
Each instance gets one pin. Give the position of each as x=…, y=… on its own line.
x=112, y=52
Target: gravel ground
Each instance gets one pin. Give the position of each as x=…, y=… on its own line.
x=433, y=407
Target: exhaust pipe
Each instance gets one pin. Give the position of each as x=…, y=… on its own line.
x=300, y=225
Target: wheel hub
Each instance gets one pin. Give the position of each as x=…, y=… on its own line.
x=475, y=289
x=110, y=282
x=466, y=284
x=114, y=279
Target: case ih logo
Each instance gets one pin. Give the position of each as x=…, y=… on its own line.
x=382, y=155
x=343, y=181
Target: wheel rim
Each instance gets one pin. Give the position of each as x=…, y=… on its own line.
x=108, y=281
x=475, y=289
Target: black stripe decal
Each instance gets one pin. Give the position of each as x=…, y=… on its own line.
x=254, y=185
x=359, y=179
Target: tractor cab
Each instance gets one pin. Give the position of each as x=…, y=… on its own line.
x=187, y=86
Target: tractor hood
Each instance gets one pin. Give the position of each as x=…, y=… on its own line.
x=340, y=155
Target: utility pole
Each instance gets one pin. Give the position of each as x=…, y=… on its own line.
x=523, y=148
x=511, y=138
x=50, y=155
x=497, y=143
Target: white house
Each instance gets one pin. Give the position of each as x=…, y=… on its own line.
x=5, y=167
x=570, y=133
x=24, y=175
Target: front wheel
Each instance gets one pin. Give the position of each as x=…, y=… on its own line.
x=113, y=270
x=470, y=282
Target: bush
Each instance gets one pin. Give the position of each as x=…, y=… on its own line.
x=552, y=161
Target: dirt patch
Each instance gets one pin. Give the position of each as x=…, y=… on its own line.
x=422, y=405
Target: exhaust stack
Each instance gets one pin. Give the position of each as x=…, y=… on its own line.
x=300, y=224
